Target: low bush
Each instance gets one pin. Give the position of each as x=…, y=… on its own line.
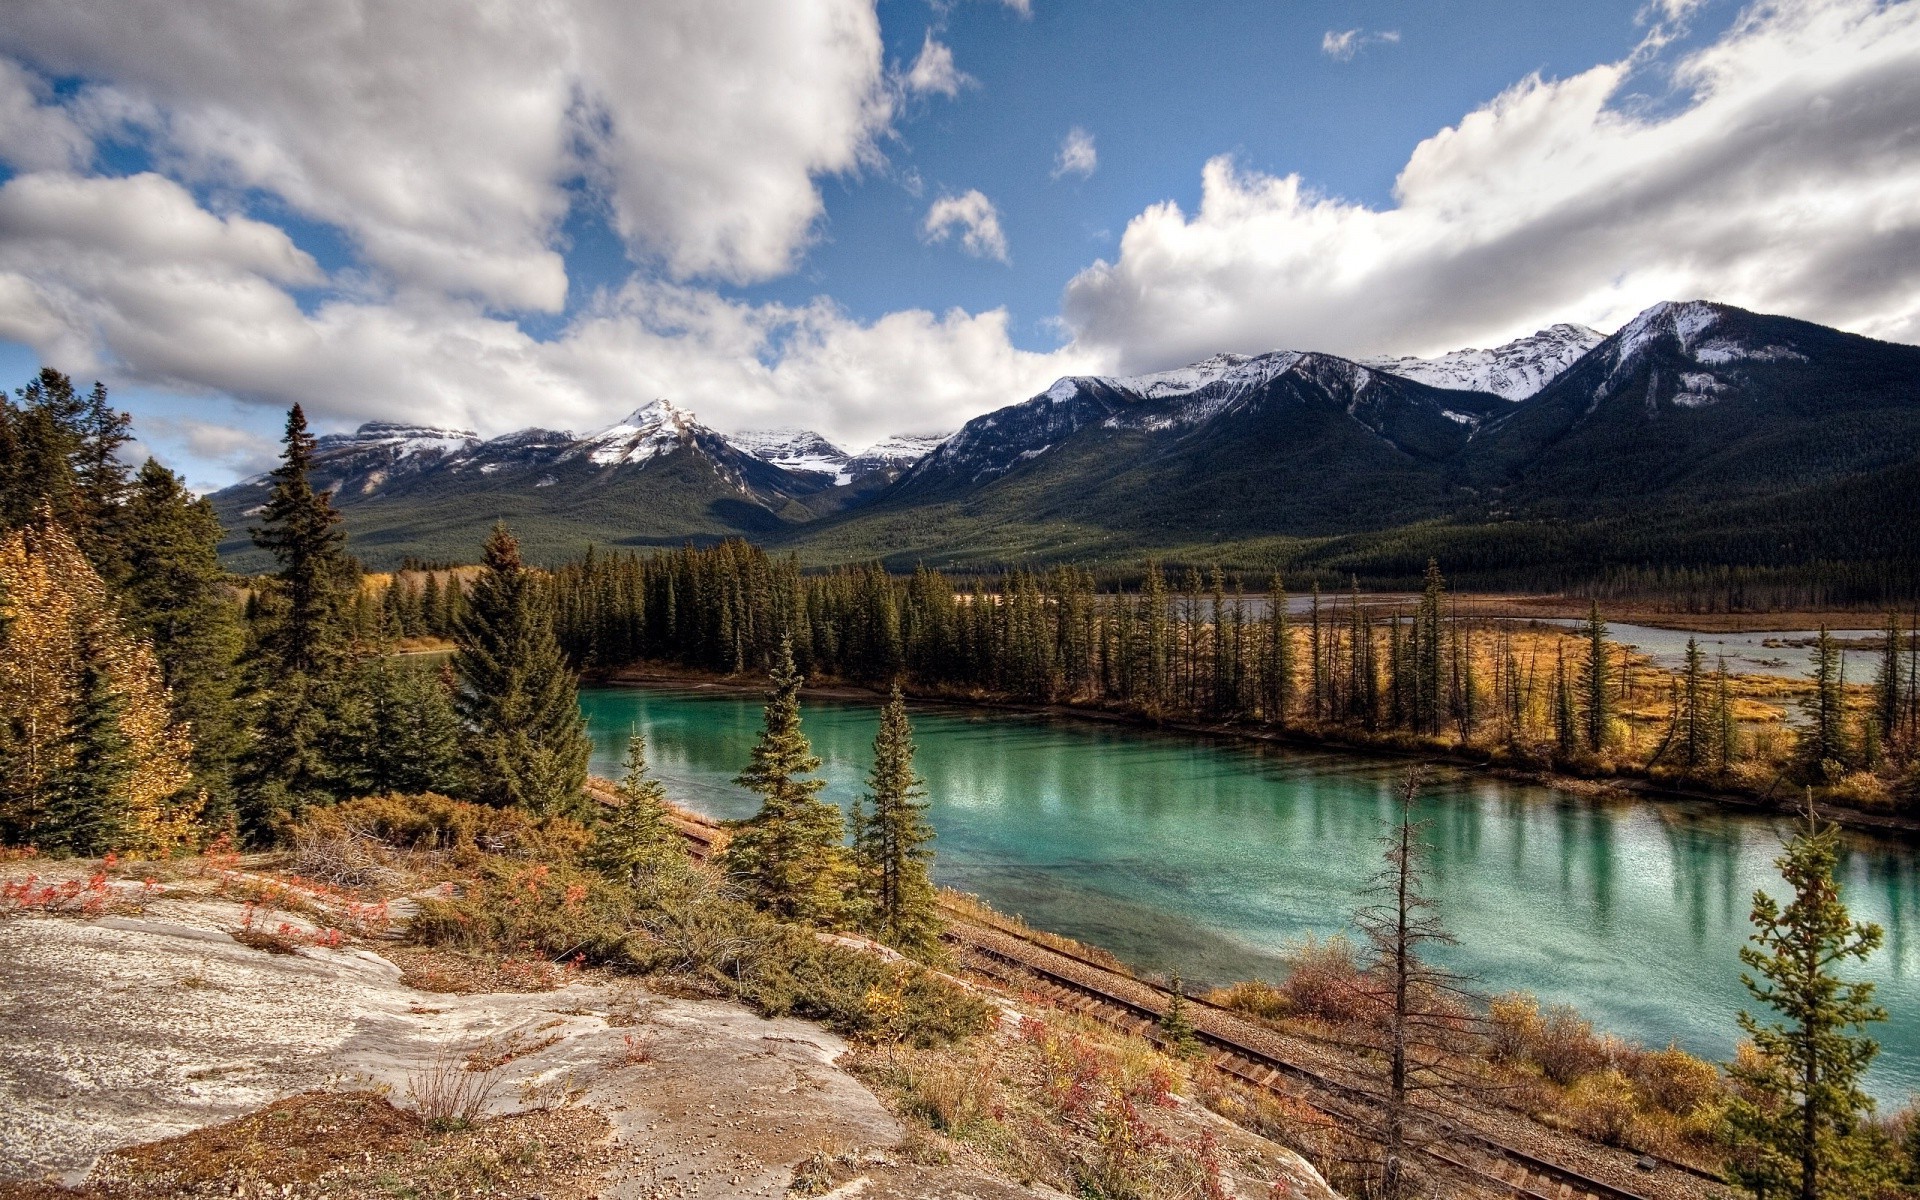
x=682, y=926
x=432, y=823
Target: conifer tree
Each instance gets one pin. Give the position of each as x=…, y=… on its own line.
x=636, y=843
x=789, y=858
x=1565, y=722
x=892, y=841
x=1726, y=731
x=1597, y=718
x=1693, y=717
x=301, y=529
x=527, y=744
x=300, y=644
x=177, y=594
x=1888, y=686
x=1176, y=1027
x=1797, y=1099
x=86, y=811
x=395, y=729
x=1823, y=749
x=1412, y=996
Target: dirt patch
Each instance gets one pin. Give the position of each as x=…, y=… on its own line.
x=351, y=1145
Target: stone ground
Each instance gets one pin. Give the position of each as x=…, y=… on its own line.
x=149, y=1020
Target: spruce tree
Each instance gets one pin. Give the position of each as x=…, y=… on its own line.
x=1823, y=749
x=178, y=595
x=1693, y=717
x=636, y=843
x=395, y=729
x=892, y=842
x=1597, y=718
x=1887, y=687
x=789, y=858
x=1797, y=1104
x=301, y=529
x=300, y=644
x=527, y=745
x=1176, y=1027
x=86, y=812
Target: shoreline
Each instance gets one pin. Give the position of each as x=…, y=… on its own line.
x=1889, y=825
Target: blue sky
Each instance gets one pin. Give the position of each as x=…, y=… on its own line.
x=856, y=218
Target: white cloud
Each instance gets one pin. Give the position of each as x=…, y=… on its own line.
x=977, y=220
x=933, y=71
x=1342, y=45
x=441, y=136
x=131, y=281
x=1789, y=181
x=1022, y=7
x=1077, y=155
x=36, y=135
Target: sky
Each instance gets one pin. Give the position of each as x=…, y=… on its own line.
x=876, y=218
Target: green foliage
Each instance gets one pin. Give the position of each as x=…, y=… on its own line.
x=1176, y=1027
x=1596, y=683
x=60, y=455
x=637, y=843
x=177, y=594
x=300, y=644
x=537, y=900
x=528, y=746
x=789, y=857
x=895, y=891
x=1795, y=1117
x=394, y=729
x=1824, y=750
x=86, y=813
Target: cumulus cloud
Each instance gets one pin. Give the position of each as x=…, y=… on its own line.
x=36, y=135
x=1077, y=155
x=132, y=281
x=442, y=139
x=1342, y=45
x=1787, y=180
x=976, y=219
x=933, y=71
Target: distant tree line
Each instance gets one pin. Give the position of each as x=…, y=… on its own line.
x=1201, y=648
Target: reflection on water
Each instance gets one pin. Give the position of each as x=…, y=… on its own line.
x=1210, y=857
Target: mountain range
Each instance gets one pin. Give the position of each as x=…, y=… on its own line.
x=1697, y=434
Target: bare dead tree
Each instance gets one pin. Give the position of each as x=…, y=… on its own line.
x=1422, y=1016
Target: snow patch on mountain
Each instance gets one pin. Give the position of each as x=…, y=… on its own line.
x=795, y=450
x=1514, y=371
x=644, y=435
x=401, y=441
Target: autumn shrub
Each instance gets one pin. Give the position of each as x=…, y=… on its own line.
x=1254, y=998
x=1326, y=981
x=434, y=824
x=1603, y=1105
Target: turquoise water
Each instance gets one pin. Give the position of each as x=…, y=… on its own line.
x=1209, y=857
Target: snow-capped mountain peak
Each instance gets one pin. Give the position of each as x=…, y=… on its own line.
x=400, y=440
x=795, y=450
x=1514, y=371
x=644, y=434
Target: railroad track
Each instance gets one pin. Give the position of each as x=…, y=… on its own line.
x=1489, y=1161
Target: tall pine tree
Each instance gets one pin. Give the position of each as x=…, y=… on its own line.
x=178, y=595
x=891, y=842
x=789, y=857
x=300, y=643
x=528, y=746
x=1798, y=1101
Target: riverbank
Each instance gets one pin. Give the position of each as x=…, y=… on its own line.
x=1782, y=799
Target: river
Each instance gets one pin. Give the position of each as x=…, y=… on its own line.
x=1209, y=857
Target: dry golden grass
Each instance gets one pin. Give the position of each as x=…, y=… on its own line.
x=354, y=1145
